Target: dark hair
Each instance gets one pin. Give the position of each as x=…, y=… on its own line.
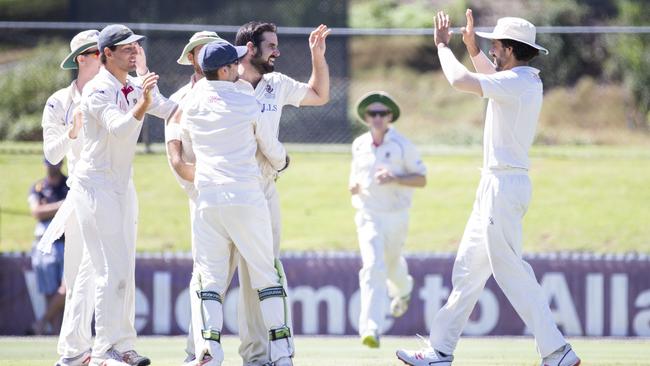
x=102, y=57
x=252, y=32
x=522, y=51
x=211, y=75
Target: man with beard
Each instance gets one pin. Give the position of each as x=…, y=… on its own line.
x=492, y=242
x=113, y=106
x=273, y=90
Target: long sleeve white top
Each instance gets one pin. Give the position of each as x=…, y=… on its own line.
x=223, y=123
x=111, y=131
x=56, y=123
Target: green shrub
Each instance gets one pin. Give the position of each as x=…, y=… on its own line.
x=25, y=87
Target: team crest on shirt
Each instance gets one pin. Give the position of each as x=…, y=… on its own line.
x=269, y=92
x=387, y=156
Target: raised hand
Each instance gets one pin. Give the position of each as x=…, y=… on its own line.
x=469, y=37
x=77, y=123
x=141, y=61
x=317, y=40
x=148, y=84
x=441, y=24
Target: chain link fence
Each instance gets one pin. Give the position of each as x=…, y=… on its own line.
x=596, y=89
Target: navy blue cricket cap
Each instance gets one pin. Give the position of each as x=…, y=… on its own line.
x=115, y=35
x=219, y=53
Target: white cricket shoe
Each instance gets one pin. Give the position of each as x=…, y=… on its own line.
x=82, y=359
x=564, y=356
x=399, y=305
x=111, y=358
x=424, y=357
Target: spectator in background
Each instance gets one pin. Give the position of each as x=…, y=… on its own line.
x=45, y=198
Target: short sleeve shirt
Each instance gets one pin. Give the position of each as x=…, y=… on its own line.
x=515, y=101
x=397, y=155
x=274, y=91
x=42, y=193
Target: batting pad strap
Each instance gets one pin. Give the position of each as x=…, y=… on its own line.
x=211, y=335
x=277, y=291
x=279, y=333
x=209, y=295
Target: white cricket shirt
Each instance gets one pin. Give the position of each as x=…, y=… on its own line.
x=273, y=92
x=397, y=155
x=515, y=101
x=56, y=122
x=186, y=143
x=224, y=126
x=110, y=130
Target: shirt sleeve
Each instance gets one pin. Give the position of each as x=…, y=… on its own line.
x=100, y=106
x=56, y=141
x=352, y=180
x=499, y=85
x=161, y=107
x=413, y=160
x=293, y=92
x=269, y=144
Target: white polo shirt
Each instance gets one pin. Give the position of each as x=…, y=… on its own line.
x=56, y=122
x=515, y=101
x=273, y=92
x=186, y=143
x=110, y=130
x=224, y=126
x=397, y=155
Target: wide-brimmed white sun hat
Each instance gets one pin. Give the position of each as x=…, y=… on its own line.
x=199, y=38
x=80, y=43
x=517, y=29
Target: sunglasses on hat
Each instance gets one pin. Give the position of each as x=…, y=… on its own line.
x=382, y=113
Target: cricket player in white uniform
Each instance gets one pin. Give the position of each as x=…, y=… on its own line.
x=492, y=242
x=181, y=160
x=273, y=90
x=113, y=107
x=385, y=168
x=224, y=126
x=63, y=138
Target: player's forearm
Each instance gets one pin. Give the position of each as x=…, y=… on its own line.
x=456, y=73
x=482, y=63
x=184, y=169
x=46, y=211
x=412, y=180
x=319, y=82
x=56, y=143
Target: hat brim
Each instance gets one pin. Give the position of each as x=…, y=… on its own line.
x=374, y=97
x=184, y=60
x=132, y=38
x=68, y=63
x=493, y=35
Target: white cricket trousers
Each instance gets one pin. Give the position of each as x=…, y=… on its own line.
x=384, y=270
x=492, y=245
x=108, y=222
x=252, y=330
x=216, y=229
x=79, y=277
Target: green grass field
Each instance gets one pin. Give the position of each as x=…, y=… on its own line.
x=584, y=199
x=346, y=351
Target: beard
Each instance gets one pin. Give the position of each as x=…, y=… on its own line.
x=261, y=65
x=498, y=64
